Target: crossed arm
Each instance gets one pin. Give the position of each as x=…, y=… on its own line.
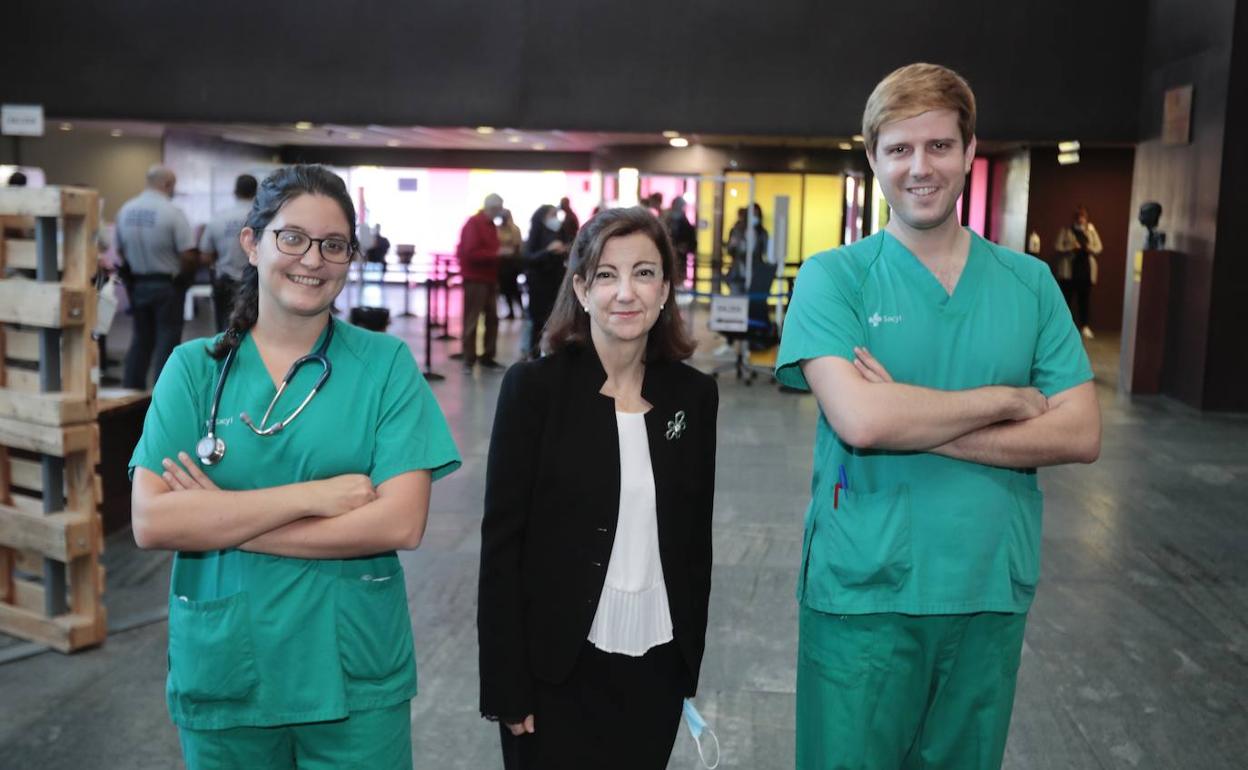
x=994, y=425
x=336, y=518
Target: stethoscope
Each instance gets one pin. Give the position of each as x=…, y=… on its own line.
x=211, y=448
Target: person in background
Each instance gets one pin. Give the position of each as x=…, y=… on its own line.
x=684, y=238
x=544, y=255
x=157, y=248
x=478, y=254
x=510, y=244
x=654, y=202
x=219, y=247
x=1077, y=247
x=738, y=242
x=571, y=222
x=378, y=249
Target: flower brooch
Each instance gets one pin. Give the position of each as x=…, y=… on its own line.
x=677, y=426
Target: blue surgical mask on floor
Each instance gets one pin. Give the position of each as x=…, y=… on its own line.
x=697, y=726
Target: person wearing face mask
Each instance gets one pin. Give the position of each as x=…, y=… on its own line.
x=544, y=254
x=290, y=641
x=738, y=241
x=596, y=539
x=1077, y=248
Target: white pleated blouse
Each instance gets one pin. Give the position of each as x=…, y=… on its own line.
x=633, y=614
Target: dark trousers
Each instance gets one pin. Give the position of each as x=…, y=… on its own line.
x=543, y=291
x=224, y=290
x=480, y=297
x=1078, y=297
x=508, y=272
x=157, y=309
x=614, y=712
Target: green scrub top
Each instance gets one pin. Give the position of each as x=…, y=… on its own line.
x=259, y=640
x=919, y=533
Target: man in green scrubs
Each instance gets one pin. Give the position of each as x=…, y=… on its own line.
x=947, y=369
x=320, y=646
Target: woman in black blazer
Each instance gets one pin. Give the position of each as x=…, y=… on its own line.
x=596, y=541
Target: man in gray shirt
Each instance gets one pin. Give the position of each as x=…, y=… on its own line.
x=220, y=247
x=157, y=245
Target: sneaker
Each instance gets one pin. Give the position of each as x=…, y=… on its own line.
x=1087, y=333
x=489, y=363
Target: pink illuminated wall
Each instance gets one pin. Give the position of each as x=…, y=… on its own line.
x=426, y=207
x=671, y=187
x=978, y=215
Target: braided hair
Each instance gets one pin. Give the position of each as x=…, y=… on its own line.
x=277, y=189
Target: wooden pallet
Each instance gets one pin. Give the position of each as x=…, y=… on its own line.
x=69, y=304
x=49, y=435
x=72, y=535
x=77, y=211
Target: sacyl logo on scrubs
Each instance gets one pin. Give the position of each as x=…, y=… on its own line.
x=876, y=319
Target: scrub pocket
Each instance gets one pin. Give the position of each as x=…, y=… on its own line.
x=864, y=542
x=374, y=627
x=211, y=654
x=1025, y=532
x=842, y=650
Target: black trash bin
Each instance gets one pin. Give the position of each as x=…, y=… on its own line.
x=372, y=318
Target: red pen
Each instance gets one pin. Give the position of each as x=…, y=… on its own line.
x=836, y=496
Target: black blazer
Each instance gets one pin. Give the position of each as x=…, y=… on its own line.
x=551, y=507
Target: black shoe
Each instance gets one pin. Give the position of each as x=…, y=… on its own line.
x=489, y=363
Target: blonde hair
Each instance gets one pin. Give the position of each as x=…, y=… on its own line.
x=913, y=90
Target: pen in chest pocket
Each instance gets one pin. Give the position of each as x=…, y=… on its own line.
x=842, y=483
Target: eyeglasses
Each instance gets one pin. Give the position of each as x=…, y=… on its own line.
x=296, y=244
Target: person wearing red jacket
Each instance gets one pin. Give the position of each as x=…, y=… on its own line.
x=478, y=255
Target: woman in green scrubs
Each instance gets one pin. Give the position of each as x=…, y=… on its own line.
x=290, y=642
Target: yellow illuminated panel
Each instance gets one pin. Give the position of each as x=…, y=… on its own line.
x=766, y=188
x=823, y=213
x=879, y=207
x=706, y=213
x=736, y=196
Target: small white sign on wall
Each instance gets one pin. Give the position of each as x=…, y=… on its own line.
x=730, y=314
x=21, y=119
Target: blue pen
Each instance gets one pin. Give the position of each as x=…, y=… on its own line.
x=844, y=479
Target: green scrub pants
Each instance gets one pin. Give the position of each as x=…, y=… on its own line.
x=380, y=739
x=904, y=692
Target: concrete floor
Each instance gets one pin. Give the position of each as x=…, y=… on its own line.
x=1136, y=652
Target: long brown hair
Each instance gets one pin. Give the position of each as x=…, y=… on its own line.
x=277, y=189
x=569, y=325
